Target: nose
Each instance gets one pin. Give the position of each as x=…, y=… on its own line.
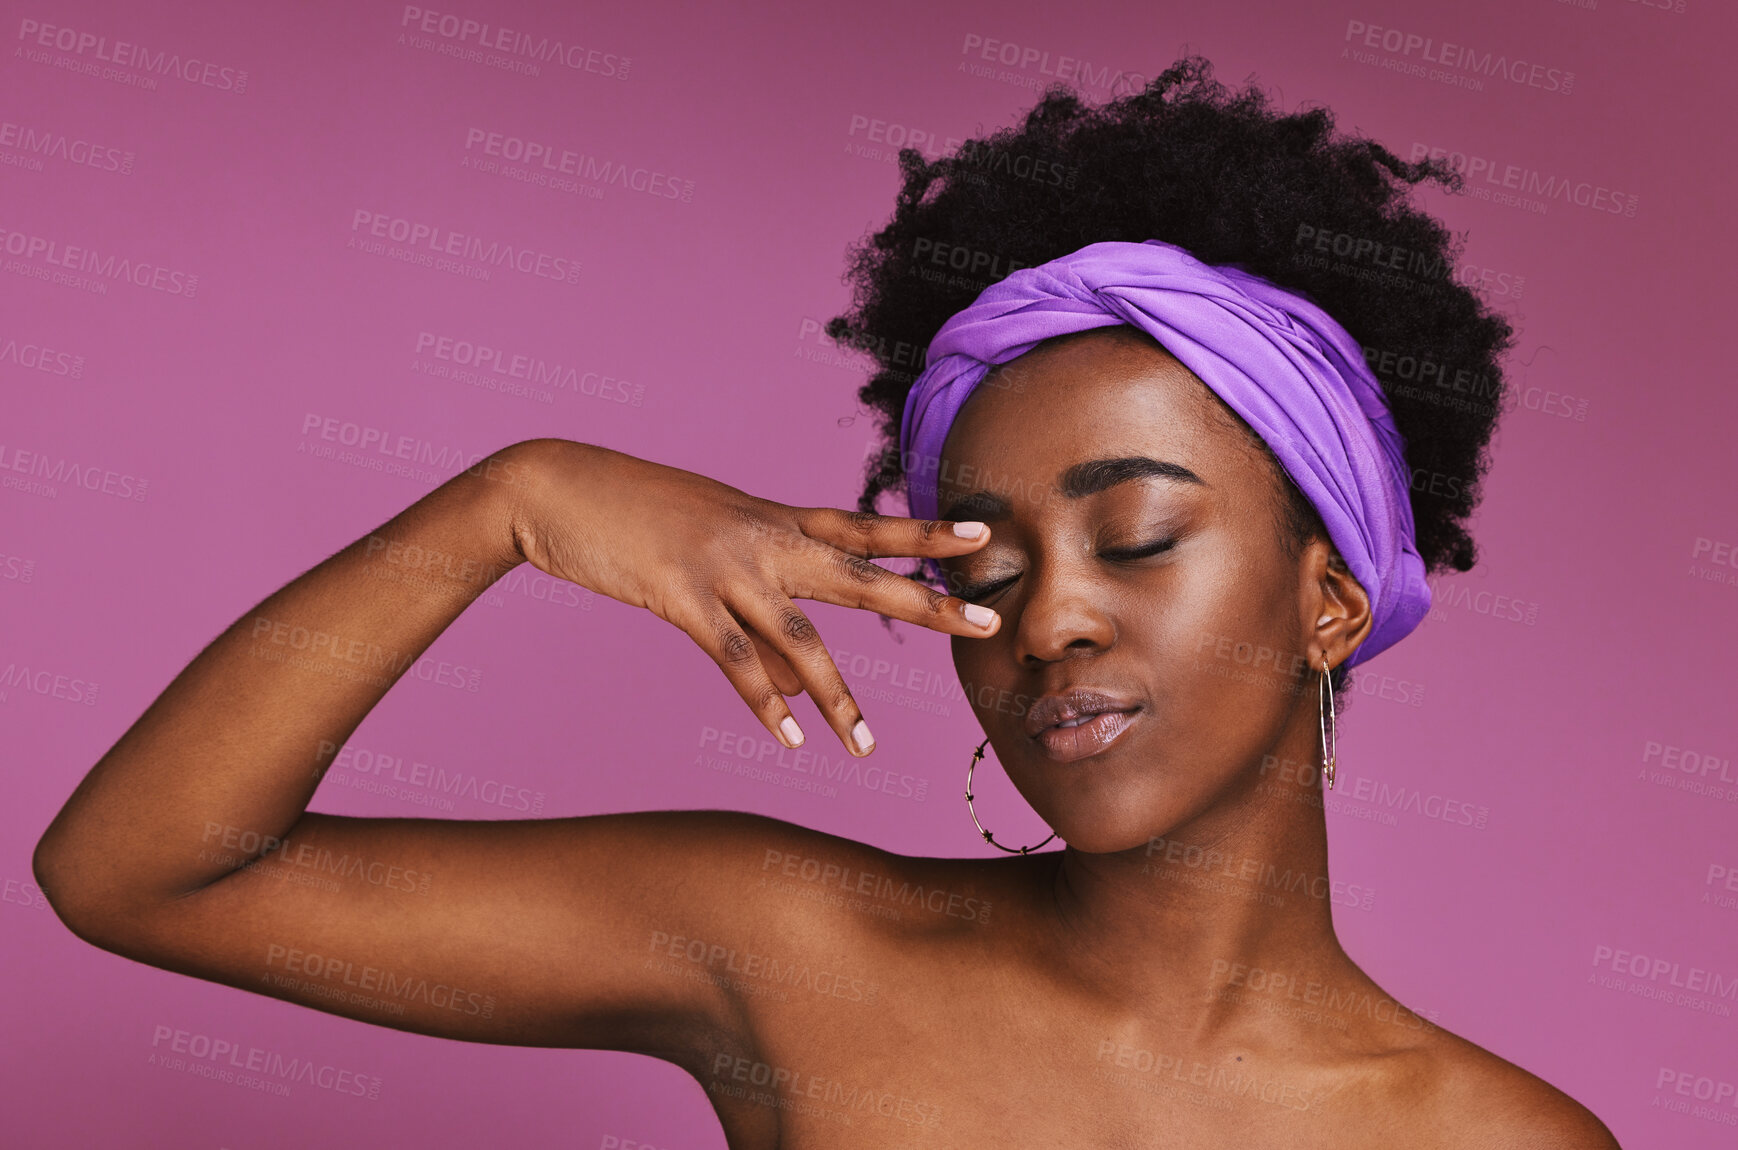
x=1063, y=612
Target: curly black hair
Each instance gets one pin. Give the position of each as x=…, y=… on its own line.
x=1224, y=175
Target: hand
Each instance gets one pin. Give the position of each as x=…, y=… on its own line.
x=724, y=566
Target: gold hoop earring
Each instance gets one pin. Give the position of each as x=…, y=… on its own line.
x=988, y=837
x=1330, y=725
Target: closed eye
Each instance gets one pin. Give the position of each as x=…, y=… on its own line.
x=1142, y=551
x=972, y=594
x=1146, y=550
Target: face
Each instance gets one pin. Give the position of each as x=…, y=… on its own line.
x=1157, y=584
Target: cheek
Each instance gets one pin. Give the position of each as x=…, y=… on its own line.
x=1188, y=612
x=1223, y=638
x=971, y=662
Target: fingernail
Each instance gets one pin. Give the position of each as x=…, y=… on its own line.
x=793, y=734
x=982, y=616
x=970, y=530
x=860, y=735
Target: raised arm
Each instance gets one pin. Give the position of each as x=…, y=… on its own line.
x=188, y=845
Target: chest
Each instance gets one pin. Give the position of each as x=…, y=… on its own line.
x=948, y=1058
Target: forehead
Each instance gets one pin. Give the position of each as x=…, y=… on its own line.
x=1108, y=393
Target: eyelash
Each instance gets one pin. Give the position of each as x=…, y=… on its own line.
x=1144, y=551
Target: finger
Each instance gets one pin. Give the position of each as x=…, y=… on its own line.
x=730, y=646
x=872, y=536
x=850, y=580
x=782, y=624
x=776, y=668
x=830, y=575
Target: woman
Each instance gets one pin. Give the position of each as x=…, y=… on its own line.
x=1201, y=510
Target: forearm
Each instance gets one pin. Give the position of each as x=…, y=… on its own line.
x=242, y=736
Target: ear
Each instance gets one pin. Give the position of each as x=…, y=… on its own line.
x=1335, y=606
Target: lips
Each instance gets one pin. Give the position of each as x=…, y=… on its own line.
x=1067, y=710
x=1066, y=744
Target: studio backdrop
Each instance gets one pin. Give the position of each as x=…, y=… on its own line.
x=271, y=272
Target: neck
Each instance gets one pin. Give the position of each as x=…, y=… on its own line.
x=1207, y=923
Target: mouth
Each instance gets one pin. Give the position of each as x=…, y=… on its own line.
x=1079, y=723
x=1085, y=736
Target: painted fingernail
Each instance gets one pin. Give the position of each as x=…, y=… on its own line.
x=793, y=734
x=970, y=530
x=982, y=616
x=861, y=737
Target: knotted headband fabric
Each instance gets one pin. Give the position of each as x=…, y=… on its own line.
x=1276, y=359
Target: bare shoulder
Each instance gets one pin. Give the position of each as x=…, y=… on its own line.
x=1480, y=1101
x=808, y=886
x=872, y=890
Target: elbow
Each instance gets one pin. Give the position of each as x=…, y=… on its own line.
x=90, y=894
x=57, y=865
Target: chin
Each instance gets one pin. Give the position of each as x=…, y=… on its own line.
x=1108, y=815
x=1099, y=831
x=1097, y=842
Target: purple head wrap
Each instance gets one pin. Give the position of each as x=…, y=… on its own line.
x=1276, y=359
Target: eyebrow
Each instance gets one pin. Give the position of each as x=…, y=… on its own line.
x=1079, y=481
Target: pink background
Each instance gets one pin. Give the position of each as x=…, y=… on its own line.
x=1610, y=502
